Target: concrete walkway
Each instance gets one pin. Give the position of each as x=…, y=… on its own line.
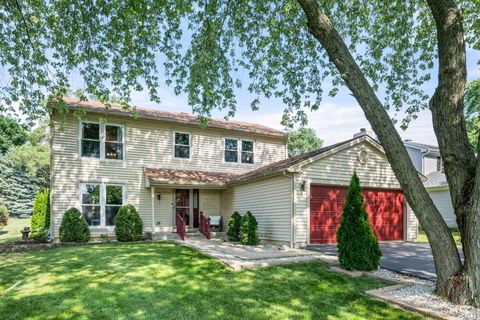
x=409, y=258
x=241, y=257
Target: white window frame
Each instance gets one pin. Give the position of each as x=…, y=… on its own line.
x=239, y=151
x=102, y=140
x=225, y=148
x=189, y=145
x=103, y=200
x=252, y=152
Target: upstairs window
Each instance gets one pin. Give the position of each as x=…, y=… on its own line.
x=231, y=150
x=100, y=203
x=113, y=142
x=102, y=141
x=90, y=140
x=239, y=150
x=247, y=151
x=182, y=145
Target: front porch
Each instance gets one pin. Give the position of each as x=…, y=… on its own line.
x=182, y=203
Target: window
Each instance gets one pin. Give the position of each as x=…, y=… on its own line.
x=100, y=203
x=231, y=150
x=182, y=145
x=247, y=151
x=102, y=141
x=90, y=140
x=91, y=203
x=113, y=142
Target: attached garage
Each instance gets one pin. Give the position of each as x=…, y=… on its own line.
x=307, y=208
x=385, y=211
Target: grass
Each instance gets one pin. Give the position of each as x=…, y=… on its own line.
x=169, y=281
x=11, y=232
x=422, y=237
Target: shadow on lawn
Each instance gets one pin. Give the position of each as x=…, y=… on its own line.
x=168, y=281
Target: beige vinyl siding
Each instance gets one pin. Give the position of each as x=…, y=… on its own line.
x=429, y=164
x=337, y=169
x=163, y=209
x=443, y=202
x=411, y=231
x=147, y=144
x=269, y=200
x=210, y=202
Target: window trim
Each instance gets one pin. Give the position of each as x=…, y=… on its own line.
x=189, y=145
x=102, y=140
x=239, y=151
x=103, y=200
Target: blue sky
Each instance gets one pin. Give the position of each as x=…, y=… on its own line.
x=337, y=119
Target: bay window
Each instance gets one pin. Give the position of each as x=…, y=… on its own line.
x=103, y=141
x=100, y=203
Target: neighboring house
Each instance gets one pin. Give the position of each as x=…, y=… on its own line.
x=426, y=159
x=166, y=165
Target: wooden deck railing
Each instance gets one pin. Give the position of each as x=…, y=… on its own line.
x=205, y=226
x=181, y=227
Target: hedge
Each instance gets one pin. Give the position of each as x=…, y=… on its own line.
x=74, y=227
x=128, y=224
x=41, y=211
x=249, y=229
x=233, y=232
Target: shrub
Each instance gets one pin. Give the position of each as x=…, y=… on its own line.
x=74, y=227
x=128, y=224
x=3, y=215
x=41, y=211
x=39, y=236
x=358, y=248
x=233, y=232
x=249, y=229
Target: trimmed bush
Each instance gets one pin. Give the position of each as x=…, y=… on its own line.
x=358, y=248
x=74, y=227
x=41, y=211
x=249, y=229
x=128, y=224
x=233, y=232
x=39, y=236
x=3, y=215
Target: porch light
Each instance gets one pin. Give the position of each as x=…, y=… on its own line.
x=303, y=185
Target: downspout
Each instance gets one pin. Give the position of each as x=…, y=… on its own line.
x=292, y=209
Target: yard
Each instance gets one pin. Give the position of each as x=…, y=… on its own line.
x=422, y=237
x=169, y=281
x=11, y=232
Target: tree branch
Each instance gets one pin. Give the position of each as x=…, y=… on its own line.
x=447, y=260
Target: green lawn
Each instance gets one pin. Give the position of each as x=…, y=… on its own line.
x=12, y=231
x=169, y=281
x=422, y=237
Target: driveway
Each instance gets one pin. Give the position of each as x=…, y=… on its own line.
x=409, y=258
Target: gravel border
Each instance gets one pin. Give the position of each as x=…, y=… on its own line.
x=419, y=293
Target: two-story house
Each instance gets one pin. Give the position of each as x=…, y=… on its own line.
x=427, y=160
x=166, y=165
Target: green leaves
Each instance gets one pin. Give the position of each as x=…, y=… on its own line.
x=208, y=50
x=302, y=140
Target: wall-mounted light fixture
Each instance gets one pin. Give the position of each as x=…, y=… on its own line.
x=303, y=186
x=159, y=196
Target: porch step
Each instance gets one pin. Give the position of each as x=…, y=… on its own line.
x=165, y=236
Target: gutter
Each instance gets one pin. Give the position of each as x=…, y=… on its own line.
x=293, y=206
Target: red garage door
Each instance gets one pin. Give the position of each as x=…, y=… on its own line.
x=384, y=208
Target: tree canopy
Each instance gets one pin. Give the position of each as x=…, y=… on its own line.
x=207, y=49
x=302, y=140
x=11, y=133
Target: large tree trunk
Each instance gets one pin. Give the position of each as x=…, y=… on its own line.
x=451, y=281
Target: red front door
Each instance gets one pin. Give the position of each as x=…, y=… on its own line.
x=384, y=208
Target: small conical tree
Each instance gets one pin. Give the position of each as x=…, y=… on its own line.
x=128, y=224
x=358, y=248
x=41, y=211
x=249, y=229
x=233, y=232
x=74, y=227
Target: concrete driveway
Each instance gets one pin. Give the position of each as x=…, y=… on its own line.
x=409, y=258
